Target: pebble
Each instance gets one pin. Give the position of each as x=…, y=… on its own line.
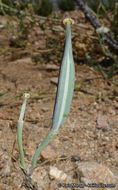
x=51, y=67
x=26, y=60
x=31, y=147
x=102, y=121
x=57, y=174
x=48, y=153
x=45, y=109
x=93, y=172
x=60, y=28
x=39, y=173
x=5, y=165
x=54, y=80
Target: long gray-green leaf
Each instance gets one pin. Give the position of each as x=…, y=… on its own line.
x=63, y=97
x=65, y=84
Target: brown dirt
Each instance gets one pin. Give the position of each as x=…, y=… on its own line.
x=91, y=130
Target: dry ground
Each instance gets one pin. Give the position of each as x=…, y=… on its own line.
x=91, y=130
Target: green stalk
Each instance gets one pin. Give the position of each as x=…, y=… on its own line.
x=3, y=5
x=45, y=142
x=19, y=131
x=19, y=139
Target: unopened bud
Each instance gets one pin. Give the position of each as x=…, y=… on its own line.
x=26, y=95
x=68, y=21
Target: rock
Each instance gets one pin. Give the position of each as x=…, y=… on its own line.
x=102, y=121
x=57, y=174
x=81, y=48
x=22, y=61
x=2, y=26
x=45, y=109
x=5, y=165
x=59, y=28
x=54, y=80
x=39, y=32
x=92, y=172
x=51, y=67
x=26, y=60
x=38, y=176
x=33, y=115
x=48, y=153
x=30, y=148
x=40, y=44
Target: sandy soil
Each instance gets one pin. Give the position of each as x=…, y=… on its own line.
x=91, y=130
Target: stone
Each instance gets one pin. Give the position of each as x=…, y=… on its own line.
x=57, y=174
x=51, y=67
x=59, y=28
x=80, y=45
x=2, y=26
x=48, y=153
x=30, y=149
x=40, y=44
x=102, y=121
x=93, y=172
x=5, y=165
x=54, y=80
x=38, y=176
x=45, y=109
x=26, y=60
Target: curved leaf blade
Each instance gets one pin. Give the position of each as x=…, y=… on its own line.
x=65, y=84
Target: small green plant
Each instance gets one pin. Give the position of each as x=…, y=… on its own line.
x=62, y=104
x=4, y=10
x=7, y=2
x=43, y=7
x=93, y=4
x=108, y=71
x=21, y=34
x=106, y=8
